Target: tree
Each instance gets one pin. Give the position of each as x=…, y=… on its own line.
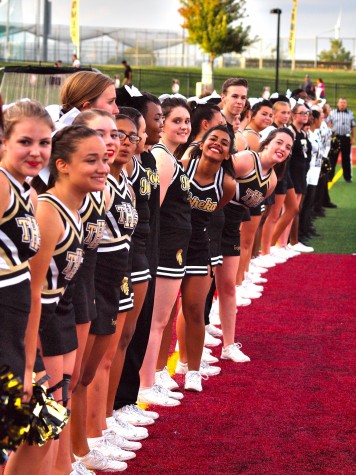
x=212, y=24
x=336, y=53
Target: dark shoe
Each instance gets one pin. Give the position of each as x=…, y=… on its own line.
x=320, y=213
x=330, y=205
x=348, y=181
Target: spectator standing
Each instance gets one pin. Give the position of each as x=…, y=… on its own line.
x=319, y=89
x=343, y=136
x=127, y=73
x=308, y=86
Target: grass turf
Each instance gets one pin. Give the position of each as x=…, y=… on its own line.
x=338, y=229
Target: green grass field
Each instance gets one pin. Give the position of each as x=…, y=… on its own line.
x=338, y=229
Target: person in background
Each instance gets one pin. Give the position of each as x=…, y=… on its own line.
x=343, y=129
x=308, y=86
x=175, y=86
x=75, y=61
x=233, y=99
x=127, y=73
x=320, y=89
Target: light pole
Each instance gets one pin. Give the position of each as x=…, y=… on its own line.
x=277, y=11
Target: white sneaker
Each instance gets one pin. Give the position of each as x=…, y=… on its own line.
x=250, y=285
x=163, y=378
x=172, y=394
x=211, y=340
x=214, y=317
x=193, y=381
x=95, y=460
x=262, y=261
x=133, y=416
x=80, y=469
x=208, y=357
x=242, y=301
x=289, y=252
x=120, y=441
x=256, y=269
x=300, y=247
x=255, y=278
x=245, y=292
x=282, y=252
x=156, y=397
x=213, y=330
x=126, y=430
x=233, y=353
x=206, y=370
x=269, y=259
x=103, y=444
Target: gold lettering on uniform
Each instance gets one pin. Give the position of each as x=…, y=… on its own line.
x=206, y=205
x=145, y=187
x=125, y=286
x=153, y=177
x=252, y=198
x=30, y=231
x=236, y=248
x=128, y=216
x=113, y=322
x=74, y=260
x=179, y=256
x=95, y=232
x=185, y=183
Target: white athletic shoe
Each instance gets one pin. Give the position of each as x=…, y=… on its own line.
x=157, y=397
x=104, y=445
x=208, y=357
x=244, y=292
x=125, y=429
x=233, y=353
x=211, y=340
x=214, y=317
x=163, y=378
x=95, y=460
x=300, y=247
x=193, y=381
x=133, y=415
x=213, y=331
x=80, y=469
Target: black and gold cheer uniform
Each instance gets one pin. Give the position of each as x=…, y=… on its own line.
x=57, y=332
x=141, y=185
x=80, y=294
x=19, y=241
x=203, y=200
x=113, y=289
x=251, y=191
x=175, y=223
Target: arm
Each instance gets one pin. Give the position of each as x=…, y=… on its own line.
x=253, y=140
x=243, y=163
x=229, y=190
x=51, y=229
x=272, y=184
x=165, y=167
x=4, y=194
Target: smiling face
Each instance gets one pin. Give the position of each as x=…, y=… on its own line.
x=177, y=126
x=279, y=148
x=216, y=146
x=88, y=167
x=106, y=128
x=106, y=100
x=28, y=149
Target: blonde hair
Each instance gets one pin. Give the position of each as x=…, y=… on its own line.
x=25, y=110
x=83, y=86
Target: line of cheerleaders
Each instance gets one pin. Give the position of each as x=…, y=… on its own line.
x=116, y=212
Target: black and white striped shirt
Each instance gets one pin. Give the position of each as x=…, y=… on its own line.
x=342, y=122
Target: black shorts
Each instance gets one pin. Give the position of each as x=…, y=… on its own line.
x=14, y=311
x=257, y=211
x=299, y=179
x=230, y=239
x=140, y=271
x=198, y=255
x=58, y=333
x=173, y=249
x=215, y=228
x=108, y=280
x=83, y=293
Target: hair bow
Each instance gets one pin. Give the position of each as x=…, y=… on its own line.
x=132, y=91
x=163, y=97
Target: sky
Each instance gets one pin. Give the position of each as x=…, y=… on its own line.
x=315, y=18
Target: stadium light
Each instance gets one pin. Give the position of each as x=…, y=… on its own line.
x=277, y=11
